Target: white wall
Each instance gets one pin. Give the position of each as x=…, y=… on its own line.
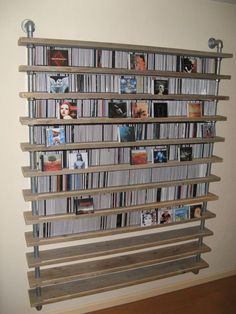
x=177, y=23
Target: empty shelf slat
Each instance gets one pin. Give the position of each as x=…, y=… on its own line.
x=83, y=287
x=55, y=275
x=91, y=250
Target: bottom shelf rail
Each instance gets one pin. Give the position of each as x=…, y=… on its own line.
x=112, y=281
x=70, y=272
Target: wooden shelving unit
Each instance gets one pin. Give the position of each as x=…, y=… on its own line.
x=181, y=244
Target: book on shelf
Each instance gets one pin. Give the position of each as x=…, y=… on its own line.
x=181, y=213
x=128, y=85
x=49, y=162
x=55, y=136
x=159, y=154
x=139, y=109
x=126, y=133
x=138, y=157
x=194, y=109
x=119, y=220
x=68, y=110
x=98, y=58
x=78, y=160
x=117, y=109
x=57, y=57
x=149, y=217
x=195, y=211
x=160, y=87
x=80, y=83
x=58, y=83
x=185, y=153
x=160, y=109
x=165, y=215
x=136, y=61
x=208, y=129
x=39, y=161
x=83, y=205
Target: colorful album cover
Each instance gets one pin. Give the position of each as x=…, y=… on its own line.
x=189, y=64
x=128, y=85
x=165, y=216
x=78, y=160
x=58, y=57
x=195, y=110
x=160, y=87
x=55, y=136
x=68, y=110
x=126, y=133
x=58, y=84
x=138, y=157
x=137, y=61
x=117, y=109
x=208, y=130
x=185, y=153
x=149, y=217
x=159, y=154
x=140, y=109
x=49, y=161
x=83, y=205
x=181, y=213
x=195, y=211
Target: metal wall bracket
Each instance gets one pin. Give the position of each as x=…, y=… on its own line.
x=212, y=43
x=28, y=27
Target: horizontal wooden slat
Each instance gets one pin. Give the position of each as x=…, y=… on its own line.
x=24, y=41
x=31, y=219
x=110, y=265
x=42, y=95
x=113, y=71
x=91, y=250
x=27, y=172
x=105, y=120
x=26, y=147
x=110, y=282
x=29, y=196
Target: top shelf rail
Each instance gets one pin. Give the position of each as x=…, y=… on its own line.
x=25, y=41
